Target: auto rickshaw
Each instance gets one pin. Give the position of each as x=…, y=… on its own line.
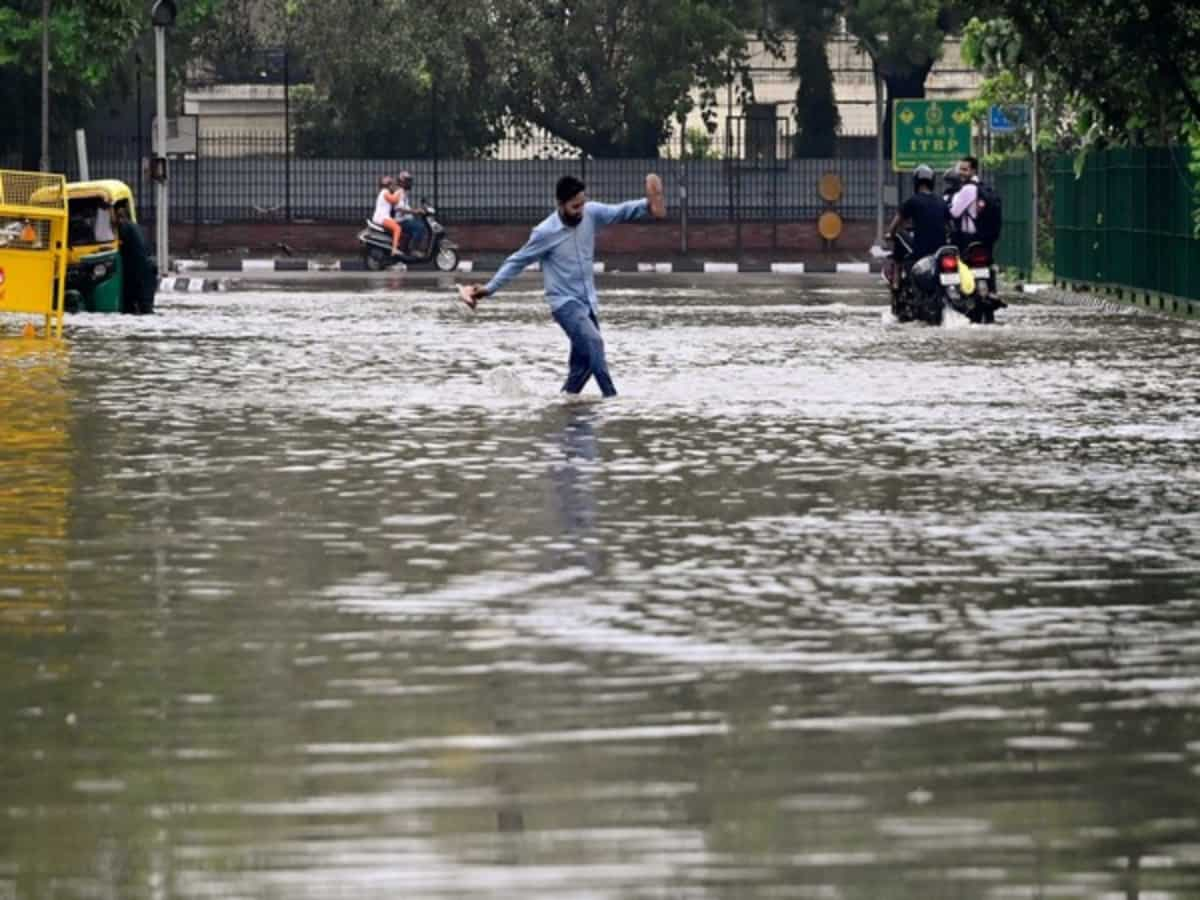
x=95, y=275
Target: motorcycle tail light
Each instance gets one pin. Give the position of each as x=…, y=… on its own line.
x=977, y=256
x=949, y=263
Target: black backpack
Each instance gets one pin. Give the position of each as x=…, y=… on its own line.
x=989, y=214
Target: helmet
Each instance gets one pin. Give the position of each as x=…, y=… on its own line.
x=952, y=179
x=922, y=173
x=404, y=179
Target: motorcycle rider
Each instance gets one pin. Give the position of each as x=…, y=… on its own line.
x=925, y=213
x=384, y=202
x=410, y=216
x=964, y=205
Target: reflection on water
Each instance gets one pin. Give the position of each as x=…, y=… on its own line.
x=350, y=603
x=35, y=482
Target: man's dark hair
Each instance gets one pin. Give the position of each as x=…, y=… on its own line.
x=972, y=162
x=568, y=186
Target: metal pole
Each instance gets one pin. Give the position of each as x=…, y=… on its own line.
x=775, y=186
x=878, y=160
x=287, y=141
x=433, y=129
x=138, y=152
x=81, y=154
x=1033, y=179
x=161, y=209
x=729, y=144
x=683, y=196
x=45, y=164
x=196, y=192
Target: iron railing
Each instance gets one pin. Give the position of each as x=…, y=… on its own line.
x=746, y=174
x=1128, y=221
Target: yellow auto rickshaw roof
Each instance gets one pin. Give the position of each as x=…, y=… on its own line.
x=110, y=189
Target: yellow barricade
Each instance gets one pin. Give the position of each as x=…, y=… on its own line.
x=33, y=245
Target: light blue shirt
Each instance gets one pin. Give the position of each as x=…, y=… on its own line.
x=567, y=254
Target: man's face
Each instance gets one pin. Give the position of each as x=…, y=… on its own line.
x=571, y=212
x=964, y=169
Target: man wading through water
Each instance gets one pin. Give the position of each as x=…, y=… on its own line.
x=565, y=244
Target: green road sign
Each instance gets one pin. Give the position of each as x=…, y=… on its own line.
x=934, y=132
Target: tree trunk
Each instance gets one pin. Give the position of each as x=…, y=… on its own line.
x=816, y=109
x=640, y=141
x=901, y=85
x=31, y=134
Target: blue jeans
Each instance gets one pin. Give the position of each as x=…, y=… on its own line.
x=576, y=318
x=416, y=230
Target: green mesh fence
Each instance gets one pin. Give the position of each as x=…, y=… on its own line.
x=1128, y=221
x=1013, y=182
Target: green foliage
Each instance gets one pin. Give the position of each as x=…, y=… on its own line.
x=229, y=31
x=810, y=26
x=699, y=144
x=1193, y=138
x=901, y=37
x=904, y=39
x=609, y=76
x=384, y=70
x=90, y=44
x=1121, y=72
x=605, y=76
x=1107, y=73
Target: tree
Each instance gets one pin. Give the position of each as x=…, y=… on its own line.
x=810, y=24
x=904, y=40
x=605, y=76
x=1129, y=72
x=231, y=34
x=92, y=45
x=89, y=42
x=1122, y=73
x=383, y=70
x=609, y=76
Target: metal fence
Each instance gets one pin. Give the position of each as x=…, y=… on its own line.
x=1128, y=221
x=1013, y=182
x=744, y=175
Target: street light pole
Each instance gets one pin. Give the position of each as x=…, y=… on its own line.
x=140, y=150
x=45, y=162
x=161, y=209
x=162, y=16
x=1033, y=177
x=878, y=159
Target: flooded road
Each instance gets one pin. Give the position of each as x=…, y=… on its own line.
x=327, y=594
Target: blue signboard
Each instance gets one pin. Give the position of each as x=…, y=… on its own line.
x=1008, y=118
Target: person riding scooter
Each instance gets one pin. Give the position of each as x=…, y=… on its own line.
x=437, y=248
x=411, y=217
x=385, y=202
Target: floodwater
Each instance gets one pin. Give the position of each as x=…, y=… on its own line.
x=326, y=594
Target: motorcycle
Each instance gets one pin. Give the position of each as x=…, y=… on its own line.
x=435, y=247
x=981, y=304
x=925, y=288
